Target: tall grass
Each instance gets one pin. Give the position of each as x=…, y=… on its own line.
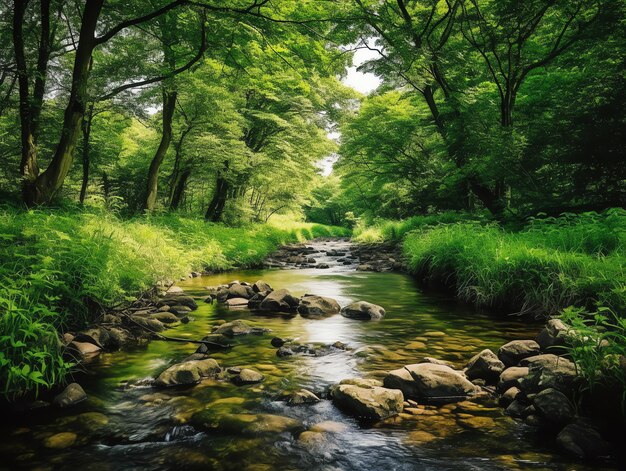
x=549, y=265
x=57, y=267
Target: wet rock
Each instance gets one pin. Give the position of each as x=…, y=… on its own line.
x=180, y=309
x=547, y=359
x=215, y=342
x=237, y=302
x=284, y=352
x=244, y=424
x=369, y=403
x=120, y=337
x=582, y=441
x=511, y=377
x=149, y=325
x=97, y=336
x=401, y=379
x=280, y=300
x=363, y=310
x=278, y=342
x=303, y=396
x=513, y=352
x=175, y=290
x=247, y=376
x=516, y=409
x=315, y=307
x=329, y=426
x=261, y=286
x=238, y=327
x=436, y=361
x=433, y=383
x=561, y=375
x=484, y=365
x=71, y=395
x=554, y=334
x=509, y=396
x=238, y=290
x=178, y=301
x=312, y=439
x=255, y=301
x=83, y=349
x=188, y=372
x=554, y=406
x=59, y=441
x=165, y=317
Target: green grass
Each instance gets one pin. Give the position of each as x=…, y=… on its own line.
x=58, y=267
x=548, y=265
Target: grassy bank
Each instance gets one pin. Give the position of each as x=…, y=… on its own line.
x=549, y=264
x=57, y=267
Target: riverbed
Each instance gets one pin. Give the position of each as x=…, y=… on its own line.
x=128, y=424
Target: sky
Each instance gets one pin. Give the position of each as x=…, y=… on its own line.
x=362, y=82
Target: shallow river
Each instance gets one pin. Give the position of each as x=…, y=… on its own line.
x=127, y=425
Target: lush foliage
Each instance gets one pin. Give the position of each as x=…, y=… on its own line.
x=57, y=268
x=547, y=266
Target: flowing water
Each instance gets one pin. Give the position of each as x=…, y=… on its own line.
x=127, y=424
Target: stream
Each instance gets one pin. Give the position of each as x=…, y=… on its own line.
x=127, y=424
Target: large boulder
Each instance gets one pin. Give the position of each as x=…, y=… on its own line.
x=554, y=406
x=368, y=402
x=312, y=306
x=554, y=334
x=71, y=395
x=280, y=300
x=188, y=372
x=484, y=365
x=430, y=382
x=582, y=441
x=261, y=286
x=511, y=377
x=237, y=327
x=557, y=373
x=237, y=290
x=513, y=352
x=363, y=310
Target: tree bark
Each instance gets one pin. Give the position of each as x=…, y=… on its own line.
x=218, y=202
x=85, y=153
x=178, y=188
x=42, y=189
x=169, y=104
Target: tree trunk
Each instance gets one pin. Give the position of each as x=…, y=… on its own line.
x=169, y=104
x=178, y=188
x=216, y=206
x=45, y=186
x=85, y=154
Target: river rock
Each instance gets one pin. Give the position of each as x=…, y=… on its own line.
x=71, y=395
x=180, y=309
x=83, y=349
x=582, y=441
x=401, y=379
x=261, y=286
x=238, y=327
x=165, y=317
x=363, y=310
x=244, y=424
x=149, y=325
x=97, y=336
x=511, y=377
x=303, y=396
x=513, y=352
x=188, y=372
x=238, y=290
x=280, y=300
x=312, y=306
x=560, y=374
x=237, y=302
x=369, y=403
x=432, y=382
x=179, y=300
x=247, y=376
x=554, y=334
x=59, y=441
x=484, y=365
x=509, y=396
x=278, y=342
x=554, y=406
x=220, y=342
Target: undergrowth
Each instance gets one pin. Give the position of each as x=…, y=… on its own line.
x=58, y=267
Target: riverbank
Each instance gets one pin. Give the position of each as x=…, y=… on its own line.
x=59, y=270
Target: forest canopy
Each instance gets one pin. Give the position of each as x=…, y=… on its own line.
x=223, y=110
